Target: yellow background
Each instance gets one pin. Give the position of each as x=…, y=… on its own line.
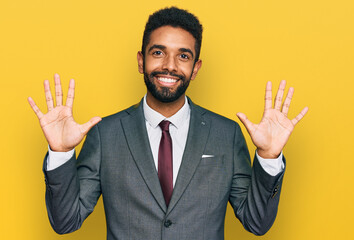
x=245, y=44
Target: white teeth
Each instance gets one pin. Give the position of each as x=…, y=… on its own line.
x=167, y=80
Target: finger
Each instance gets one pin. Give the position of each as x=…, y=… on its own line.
x=35, y=108
x=300, y=116
x=48, y=95
x=278, y=99
x=58, y=90
x=71, y=94
x=268, y=96
x=246, y=122
x=87, y=126
x=286, y=104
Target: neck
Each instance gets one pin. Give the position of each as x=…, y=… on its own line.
x=165, y=109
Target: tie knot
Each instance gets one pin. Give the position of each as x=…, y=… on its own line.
x=164, y=125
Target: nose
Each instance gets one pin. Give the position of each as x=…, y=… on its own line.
x=170, y=64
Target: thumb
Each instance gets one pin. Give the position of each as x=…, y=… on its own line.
x=247, y=123
x=87, y=126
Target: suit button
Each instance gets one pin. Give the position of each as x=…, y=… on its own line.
x=275, y=191
x=167, y=223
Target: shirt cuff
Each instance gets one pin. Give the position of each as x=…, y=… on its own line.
x=272, y=166
x=56, y=159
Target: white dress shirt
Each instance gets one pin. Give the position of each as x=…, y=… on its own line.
x=178, y=130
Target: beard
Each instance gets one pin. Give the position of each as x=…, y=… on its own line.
x=165, y=94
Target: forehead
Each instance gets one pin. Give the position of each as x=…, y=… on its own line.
x=172, y=37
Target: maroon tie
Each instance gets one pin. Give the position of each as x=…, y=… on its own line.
x=165, y=169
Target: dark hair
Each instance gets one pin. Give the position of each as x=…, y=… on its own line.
x=174, y=17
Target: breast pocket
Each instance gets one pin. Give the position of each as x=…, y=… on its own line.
x=208, y=160
x=212, y=174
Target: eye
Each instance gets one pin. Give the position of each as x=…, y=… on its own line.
x=157, y=53
x=184, y=56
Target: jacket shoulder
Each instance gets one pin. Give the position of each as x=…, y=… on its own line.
x=112, y=119
x=216, y=119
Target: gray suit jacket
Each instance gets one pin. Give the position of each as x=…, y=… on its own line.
x=116, y=161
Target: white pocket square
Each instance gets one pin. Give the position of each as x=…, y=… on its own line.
x=207, y=156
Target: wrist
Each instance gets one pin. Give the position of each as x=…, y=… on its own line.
x=54, y=149
x=267, y=154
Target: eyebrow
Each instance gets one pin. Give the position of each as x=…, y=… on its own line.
x=187, y=50
x=162, y=47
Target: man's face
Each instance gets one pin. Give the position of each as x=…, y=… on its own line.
x=169, y=63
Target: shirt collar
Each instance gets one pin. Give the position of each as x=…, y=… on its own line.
x=178, y=119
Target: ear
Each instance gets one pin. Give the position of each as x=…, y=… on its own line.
x=196, y=68
x=140, y=62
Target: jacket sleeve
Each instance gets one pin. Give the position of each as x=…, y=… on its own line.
x=254, y=193
x=72, y=190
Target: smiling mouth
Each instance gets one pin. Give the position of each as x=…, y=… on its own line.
x=167, y=80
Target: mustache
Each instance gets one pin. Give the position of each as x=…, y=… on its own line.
x=153, y=74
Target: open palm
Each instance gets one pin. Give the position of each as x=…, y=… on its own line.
x=58, y=125
x=274, y=130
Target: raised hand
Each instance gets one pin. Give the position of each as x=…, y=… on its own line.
x=58, y=125
x=273, y=132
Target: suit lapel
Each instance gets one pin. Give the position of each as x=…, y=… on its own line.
x=136, y=134
x=197, y=137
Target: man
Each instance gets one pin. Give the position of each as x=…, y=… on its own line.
x=165, y=167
